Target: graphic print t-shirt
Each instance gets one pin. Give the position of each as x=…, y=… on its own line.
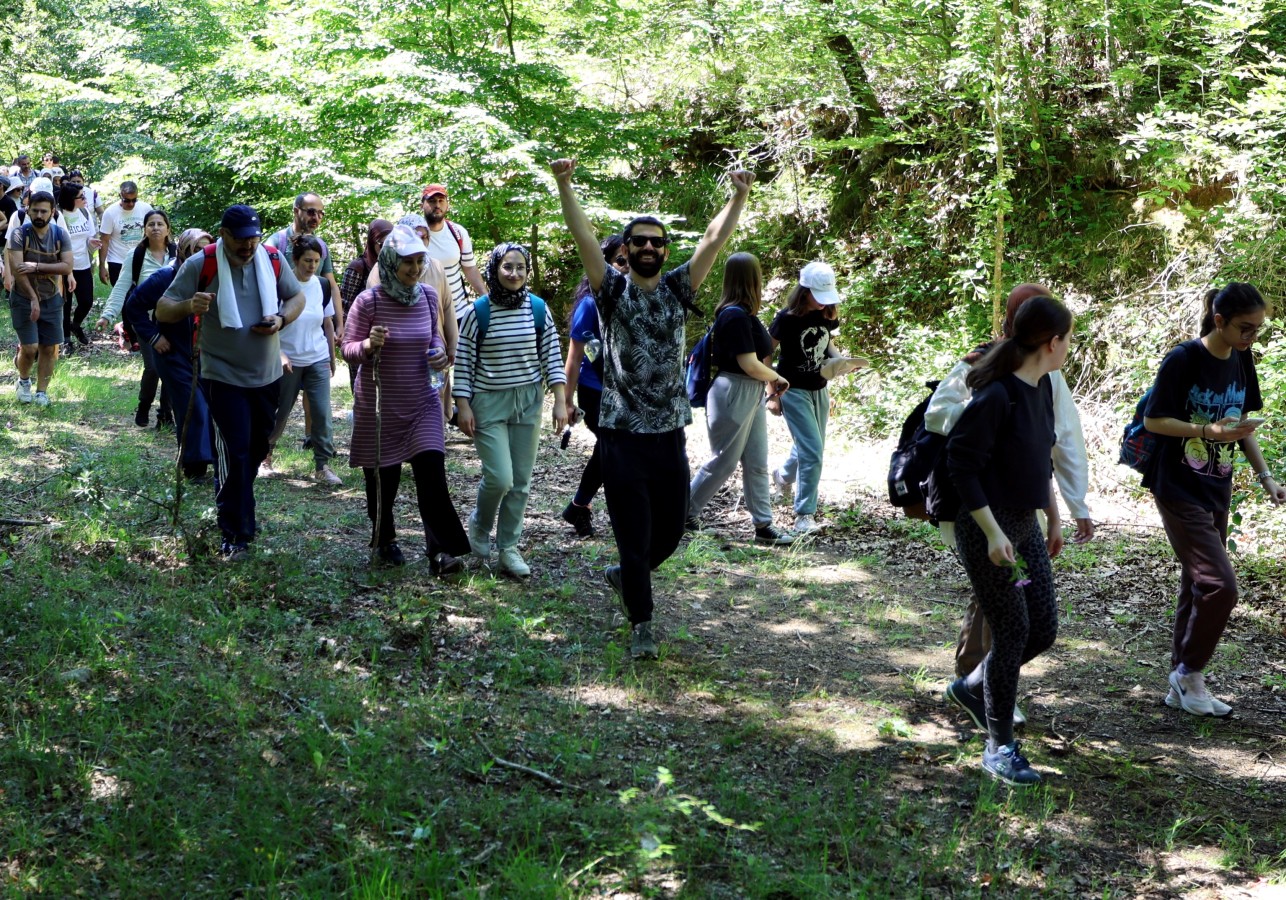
x=643, y=352
x=1194, y=385
x=803, y=341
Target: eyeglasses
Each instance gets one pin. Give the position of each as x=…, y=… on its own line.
x=639, y=241
x=312, y=211
x=621, y=261
x=1249, y=331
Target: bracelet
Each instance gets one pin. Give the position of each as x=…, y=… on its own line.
x=1264, y=476
x=1203, y=432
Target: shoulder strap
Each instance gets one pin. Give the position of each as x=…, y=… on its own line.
x=538, y=319
x=459, y=238
x=209, y=267
x=26, y=236
x=136, y=265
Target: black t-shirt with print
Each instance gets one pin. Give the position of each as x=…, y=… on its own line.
x=1194, y=385
x=737, y=332
x=803, y=341
x=643, y=352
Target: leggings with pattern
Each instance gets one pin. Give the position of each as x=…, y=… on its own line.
x=1023, y=620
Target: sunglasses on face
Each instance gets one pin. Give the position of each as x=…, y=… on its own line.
x=621, y=261
x=639, y=241
x=128, y=201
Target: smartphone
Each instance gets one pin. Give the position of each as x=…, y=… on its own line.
x=1251, y=420
x=266, y=322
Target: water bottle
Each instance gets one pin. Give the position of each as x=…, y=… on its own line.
x=593, y=347
x=437, y=377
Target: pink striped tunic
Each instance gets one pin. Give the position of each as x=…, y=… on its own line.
x=412, y=411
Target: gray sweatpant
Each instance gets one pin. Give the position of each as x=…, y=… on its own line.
x=738, y=433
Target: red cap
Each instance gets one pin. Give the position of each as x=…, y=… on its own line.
x=431, y=189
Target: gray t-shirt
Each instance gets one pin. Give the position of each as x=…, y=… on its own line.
x=47, y=250
x=235, y=356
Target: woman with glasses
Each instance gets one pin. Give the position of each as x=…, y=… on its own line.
x=508, y=350
x=153, y=253
x=1198, y=410
x=78, y=219
x=584, y=389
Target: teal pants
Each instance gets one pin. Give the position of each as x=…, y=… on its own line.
x=506, y=439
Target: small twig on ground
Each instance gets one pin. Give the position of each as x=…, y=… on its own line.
x=526, y=770
x=1134, y=637
x=1215, y=783
x=22, y=523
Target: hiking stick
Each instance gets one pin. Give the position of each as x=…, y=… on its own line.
x=187, y=423
x=379, y=422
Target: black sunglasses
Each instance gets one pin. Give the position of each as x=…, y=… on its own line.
x=621, y=261
x=639, y=241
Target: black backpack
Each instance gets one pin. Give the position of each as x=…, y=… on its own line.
x=916, y=455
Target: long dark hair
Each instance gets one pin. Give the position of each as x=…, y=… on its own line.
x=1038, y=321
x=1234, y=300
x=67, y=195
x=610, y=245
x=743, y=284
x=800, y=295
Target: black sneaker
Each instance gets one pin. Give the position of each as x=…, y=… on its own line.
x=580, y=518
x=958, y=693
x=693, y=524
x=234, y=552
x=80, y=335
x=142, y=415
x=306, y=443
x=1010, y=766
x=771, y=534
x=390, y=555
x=164, y=419
x=612, y=575
x=443, y=564
x=642, y=644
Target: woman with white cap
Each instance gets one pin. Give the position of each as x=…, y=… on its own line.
x=808, y=360
x=393, y=329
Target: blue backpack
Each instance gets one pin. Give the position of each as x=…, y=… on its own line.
x=1137, y=443
x=482, y=312
x=701, y=372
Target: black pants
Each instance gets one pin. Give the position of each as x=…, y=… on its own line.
x=645, y=480
x=243, y=418
x=84, y=301
x=148, y=382
x=443, y=532
x=1023, y=620
x=591, y=478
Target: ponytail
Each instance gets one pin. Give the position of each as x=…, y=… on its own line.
x=1038, y=321
x=1237, y=298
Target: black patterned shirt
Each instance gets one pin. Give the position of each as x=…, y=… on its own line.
x=643, y=350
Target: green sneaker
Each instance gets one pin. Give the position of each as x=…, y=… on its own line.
x=642, y=645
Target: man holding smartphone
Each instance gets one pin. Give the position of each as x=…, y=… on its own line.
x=244, y=296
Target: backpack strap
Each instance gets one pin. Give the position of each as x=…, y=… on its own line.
x=136, y=264
x=210, y=264
x=459, y=238
x=482, y=315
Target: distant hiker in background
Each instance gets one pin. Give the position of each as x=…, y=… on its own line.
x=41, y=257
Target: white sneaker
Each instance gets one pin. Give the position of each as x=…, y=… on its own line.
x=807, y=525
x=1188, y=693
x=24, y=390
x=265, y=469
x=783, y=491
x=324, y=475
x=1019, y=718
x=512, y=563
x=42, y=399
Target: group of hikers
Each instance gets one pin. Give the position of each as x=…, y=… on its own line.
x=235, y=325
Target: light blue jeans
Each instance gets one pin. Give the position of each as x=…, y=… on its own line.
x=806, y=414
x=738, y=434
x=506, y=439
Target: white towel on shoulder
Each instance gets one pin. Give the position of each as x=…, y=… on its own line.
x=229, y=315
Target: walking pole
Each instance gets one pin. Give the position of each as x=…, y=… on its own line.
x=379, y=422
x=187, y=423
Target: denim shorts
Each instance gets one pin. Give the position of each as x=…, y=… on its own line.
x=48, y=331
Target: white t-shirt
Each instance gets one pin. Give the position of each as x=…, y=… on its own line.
x=124, y=229
x=303, y=340
x=444, y=248
x=81, y=226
